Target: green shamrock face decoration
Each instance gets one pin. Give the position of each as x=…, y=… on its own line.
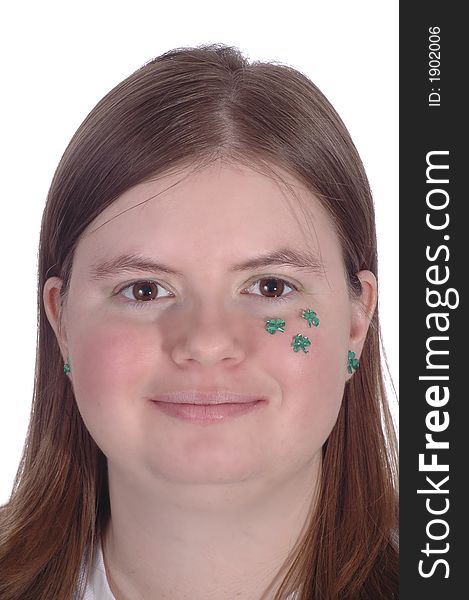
x=311, y=317
x=301, y=342
x=273, y=325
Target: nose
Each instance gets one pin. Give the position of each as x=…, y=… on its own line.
x=208, y=336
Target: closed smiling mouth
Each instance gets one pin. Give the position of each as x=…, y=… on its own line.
x=207, y=408
x=203, y=398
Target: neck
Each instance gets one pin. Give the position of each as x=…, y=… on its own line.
x=172, y=540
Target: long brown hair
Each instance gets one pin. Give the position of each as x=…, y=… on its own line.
x=191, y=106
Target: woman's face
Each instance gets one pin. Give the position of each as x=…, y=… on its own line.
x=204, y=329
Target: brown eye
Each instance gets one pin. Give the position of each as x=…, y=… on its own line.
x=271, y=286
x=142, y=292
x=145, y=290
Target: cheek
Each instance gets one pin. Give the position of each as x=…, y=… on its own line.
x=311, y=384
x=108, y=363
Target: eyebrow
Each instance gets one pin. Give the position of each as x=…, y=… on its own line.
x=126, y=263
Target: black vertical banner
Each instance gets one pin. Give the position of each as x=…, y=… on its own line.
x=434, y=256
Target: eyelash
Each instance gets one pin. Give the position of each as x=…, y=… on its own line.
x=141, y=304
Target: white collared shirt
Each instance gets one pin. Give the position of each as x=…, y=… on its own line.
x=97, y=587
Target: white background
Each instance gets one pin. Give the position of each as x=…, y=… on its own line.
x=58, y=59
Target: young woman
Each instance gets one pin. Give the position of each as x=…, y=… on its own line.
x=209, y=417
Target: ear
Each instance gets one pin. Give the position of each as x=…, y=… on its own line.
x=53, y=304
x=363, y=309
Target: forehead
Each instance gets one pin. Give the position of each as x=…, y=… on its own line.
x=219, y=209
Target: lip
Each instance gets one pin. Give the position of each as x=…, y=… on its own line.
x=215, y=412
x=197, y=397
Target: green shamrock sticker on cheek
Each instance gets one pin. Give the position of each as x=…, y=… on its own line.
x=310, y=317
x=301, y=342
x=273, y=325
